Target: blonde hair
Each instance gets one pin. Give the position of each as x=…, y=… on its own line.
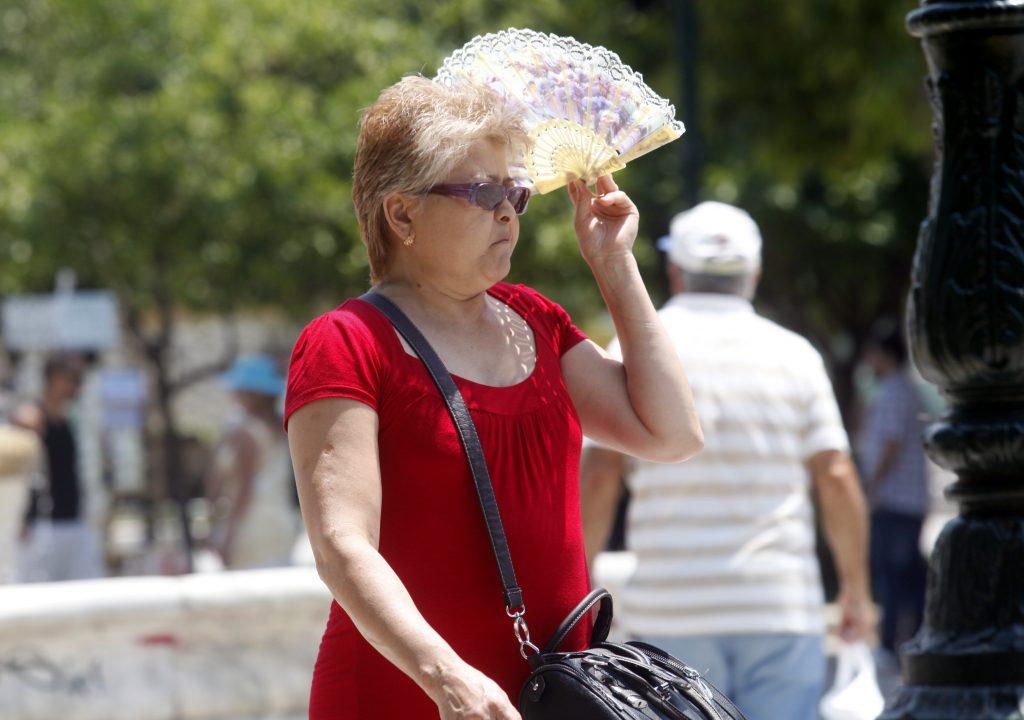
x=412, y=138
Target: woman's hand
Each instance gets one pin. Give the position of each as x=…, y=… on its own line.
x=606, y=224
x=465, y=693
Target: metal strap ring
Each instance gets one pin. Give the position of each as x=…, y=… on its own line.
x=521, y=630
x=522, y=633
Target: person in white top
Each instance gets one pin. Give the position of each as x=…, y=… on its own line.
x=20, y=453
x=250, y=483
x=727, y=578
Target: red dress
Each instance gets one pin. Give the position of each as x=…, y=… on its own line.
x=432, y=530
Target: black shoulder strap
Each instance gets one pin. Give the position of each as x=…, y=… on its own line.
x=470, y=442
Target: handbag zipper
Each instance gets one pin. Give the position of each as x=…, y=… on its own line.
x=707, y=697
x=666, y=681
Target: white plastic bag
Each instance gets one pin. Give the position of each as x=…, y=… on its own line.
x=854, y=694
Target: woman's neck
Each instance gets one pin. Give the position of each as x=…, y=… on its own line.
x=432, y=302
x=56, y=408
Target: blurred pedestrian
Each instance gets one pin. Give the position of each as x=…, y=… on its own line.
x=418, y=629
x=891, y=454
x=727, y=578
x=250, y=484
x=58, y=543
x=19, y=460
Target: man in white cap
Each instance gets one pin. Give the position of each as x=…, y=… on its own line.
x=727, y=577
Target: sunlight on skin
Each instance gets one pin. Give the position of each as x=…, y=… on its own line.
x=518, y=336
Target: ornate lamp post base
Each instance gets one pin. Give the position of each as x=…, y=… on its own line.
x=966, y=326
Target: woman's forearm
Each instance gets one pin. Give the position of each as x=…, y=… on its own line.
x=659, y=392
x=373, y=596
x=334, y=452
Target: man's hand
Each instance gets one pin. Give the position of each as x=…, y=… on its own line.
x=857, y=616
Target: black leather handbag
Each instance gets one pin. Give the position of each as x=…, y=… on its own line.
x=608, y=681
x=627, y=681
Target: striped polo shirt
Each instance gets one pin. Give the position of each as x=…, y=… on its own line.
x=725, y=541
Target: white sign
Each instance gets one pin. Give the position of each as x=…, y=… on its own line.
x=83, y=320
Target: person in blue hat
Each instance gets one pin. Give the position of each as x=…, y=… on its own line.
x=250, y=483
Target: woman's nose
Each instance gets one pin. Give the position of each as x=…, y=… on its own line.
x=505, y=212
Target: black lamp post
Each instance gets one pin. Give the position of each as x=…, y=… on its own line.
x=966, y=326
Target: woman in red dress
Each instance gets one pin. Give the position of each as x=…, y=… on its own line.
x=418, y=628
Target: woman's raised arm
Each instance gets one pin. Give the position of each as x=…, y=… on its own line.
x=642, y=405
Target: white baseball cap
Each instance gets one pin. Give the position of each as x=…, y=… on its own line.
x=713, y=238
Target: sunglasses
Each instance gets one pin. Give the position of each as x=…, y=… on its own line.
x=487, y=195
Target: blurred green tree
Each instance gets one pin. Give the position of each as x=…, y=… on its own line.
x=817, y=122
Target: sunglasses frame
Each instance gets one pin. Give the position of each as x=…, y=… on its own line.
x=470, y=191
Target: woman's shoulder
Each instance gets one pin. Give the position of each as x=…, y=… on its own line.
x=341, y=353
x=352, y=330
x=351, y=313
x=354, y=320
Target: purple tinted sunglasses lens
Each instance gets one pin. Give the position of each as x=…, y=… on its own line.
x=487, y=195
x=520, y=198
x=490, y=195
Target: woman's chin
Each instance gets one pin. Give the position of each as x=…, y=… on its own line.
x=500, y=264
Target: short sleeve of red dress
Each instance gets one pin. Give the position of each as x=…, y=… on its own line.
x=432, y=529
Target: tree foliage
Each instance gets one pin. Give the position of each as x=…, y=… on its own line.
x=837, y=176
x=198, y=154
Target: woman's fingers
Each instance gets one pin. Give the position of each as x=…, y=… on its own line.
x=605, y=185
x=510, y=714
x=471, y=695
x=583, y=201
x=615, y=201
x=579, y=192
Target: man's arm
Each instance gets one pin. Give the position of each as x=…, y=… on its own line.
x=886, y=461
x=601, y=473
x=844, y=521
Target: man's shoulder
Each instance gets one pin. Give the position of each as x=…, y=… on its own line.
x=751, y=325
x=791, y=339
x=781, y=347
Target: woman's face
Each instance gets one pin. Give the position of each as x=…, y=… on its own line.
x=460, y=243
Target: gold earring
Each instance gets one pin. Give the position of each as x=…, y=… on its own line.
x=409, y=239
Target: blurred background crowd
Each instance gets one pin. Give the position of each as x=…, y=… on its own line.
x=79, y=498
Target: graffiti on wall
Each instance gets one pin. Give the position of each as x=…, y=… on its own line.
x=36, y=670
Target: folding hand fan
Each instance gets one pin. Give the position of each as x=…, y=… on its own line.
x=586, y=112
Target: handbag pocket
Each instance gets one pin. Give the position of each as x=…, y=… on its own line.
x=560, y=690
x=616, y=681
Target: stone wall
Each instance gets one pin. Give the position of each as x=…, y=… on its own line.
x=237, y=645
